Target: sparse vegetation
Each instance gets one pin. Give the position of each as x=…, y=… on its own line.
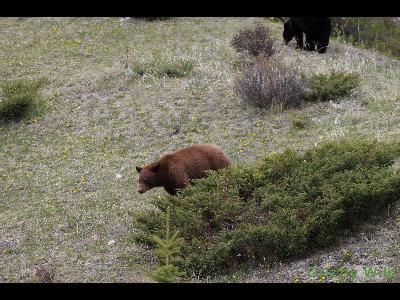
x=280, y=207
x=301, y=121
x=154, y=18
x=270, y=84
x=257, y=41
x=44, y=273
x=160, y=66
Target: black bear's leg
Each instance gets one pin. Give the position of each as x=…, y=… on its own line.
x=321, y=46
x=310, y=45
x=299, y=40
x=287, y=33
x=323, y=42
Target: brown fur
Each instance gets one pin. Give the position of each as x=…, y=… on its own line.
x=175, y=171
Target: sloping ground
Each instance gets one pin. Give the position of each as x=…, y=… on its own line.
x=67, y=180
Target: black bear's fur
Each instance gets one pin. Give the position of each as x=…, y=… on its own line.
x=317, y=30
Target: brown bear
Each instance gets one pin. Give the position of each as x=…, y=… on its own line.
x=174, y=171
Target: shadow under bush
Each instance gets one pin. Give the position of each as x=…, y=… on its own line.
x=20, y=99
x=277, y=208
x=270, y=84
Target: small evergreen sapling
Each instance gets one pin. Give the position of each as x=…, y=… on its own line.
x=167, y=251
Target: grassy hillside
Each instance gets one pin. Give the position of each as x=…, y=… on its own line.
x=67, y=179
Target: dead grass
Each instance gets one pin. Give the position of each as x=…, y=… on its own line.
x=67, y=179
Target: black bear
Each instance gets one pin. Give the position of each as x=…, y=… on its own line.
x=317, y=30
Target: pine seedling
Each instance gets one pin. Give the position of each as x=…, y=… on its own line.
x=167, y=251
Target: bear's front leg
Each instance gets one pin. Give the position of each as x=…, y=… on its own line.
x=310, y=45
x=323, y=41
x=175, y=182
x=171, y=190
x=299, y=40
x=322, y=46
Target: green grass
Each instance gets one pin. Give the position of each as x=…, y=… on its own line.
x=67, y=180
x=169, y=69
x=160, y=66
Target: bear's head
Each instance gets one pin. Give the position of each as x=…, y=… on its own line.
x=287, y=33
x=148, y=177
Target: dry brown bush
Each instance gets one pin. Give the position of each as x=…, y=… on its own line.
x=270, y=84
x=256, y=41
x=44, y=273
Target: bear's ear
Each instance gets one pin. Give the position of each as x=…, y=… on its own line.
x=155, y=168
x=138, y=169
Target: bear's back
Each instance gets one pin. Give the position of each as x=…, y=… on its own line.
x=198, y=158
x=178, y=169
x=314, y=26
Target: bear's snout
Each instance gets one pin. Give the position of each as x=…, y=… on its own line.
x=142, y=188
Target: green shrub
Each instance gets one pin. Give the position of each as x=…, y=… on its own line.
x=20, y=99
x=160, y=66
x=330, y=87
x=280, y=207
x=301, y=121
